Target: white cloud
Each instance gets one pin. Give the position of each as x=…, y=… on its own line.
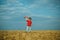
x=6, y=17
x=14, y=2
x=11, y=0
x=49, y=16
x=14, y=10
x=25, y=11
x=33, y=6
x=43, y=16
x=11, y=13
x=45, y=1
x=38, y=3
x=58, y=6
x=42, y=1
x=18, y=10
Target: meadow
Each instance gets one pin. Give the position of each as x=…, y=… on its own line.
x=33, y=35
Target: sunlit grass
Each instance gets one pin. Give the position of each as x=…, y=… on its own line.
x=33, y=35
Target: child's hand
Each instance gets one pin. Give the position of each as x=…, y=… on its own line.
x=26, y=17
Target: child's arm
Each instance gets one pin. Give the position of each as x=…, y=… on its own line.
x=26, y=18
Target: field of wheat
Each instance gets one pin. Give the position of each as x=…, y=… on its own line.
x=33, y=35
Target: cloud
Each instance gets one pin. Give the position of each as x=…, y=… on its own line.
x=58, y=6
x=18, y=10
x=43, y=16
x=15, y=10
x=38, y=3
x=33, y=6
x=45, y=1
x=6, y=17
x=14, y=2
x=42, y=1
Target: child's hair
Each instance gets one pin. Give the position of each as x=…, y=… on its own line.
x=30, y=18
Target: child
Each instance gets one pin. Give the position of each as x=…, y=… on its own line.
x=29, y=23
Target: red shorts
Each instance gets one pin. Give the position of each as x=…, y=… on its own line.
x=29, y=25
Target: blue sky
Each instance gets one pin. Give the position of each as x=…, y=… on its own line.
x=45, y=14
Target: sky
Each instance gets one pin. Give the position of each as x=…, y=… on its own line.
x=45, y=14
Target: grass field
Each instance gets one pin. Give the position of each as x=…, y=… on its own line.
x=33, y=35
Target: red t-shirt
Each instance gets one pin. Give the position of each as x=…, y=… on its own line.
x=29, y=22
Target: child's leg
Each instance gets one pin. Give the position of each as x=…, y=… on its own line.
x=27, y=28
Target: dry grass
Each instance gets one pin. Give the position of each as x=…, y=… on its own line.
x=33, y=35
